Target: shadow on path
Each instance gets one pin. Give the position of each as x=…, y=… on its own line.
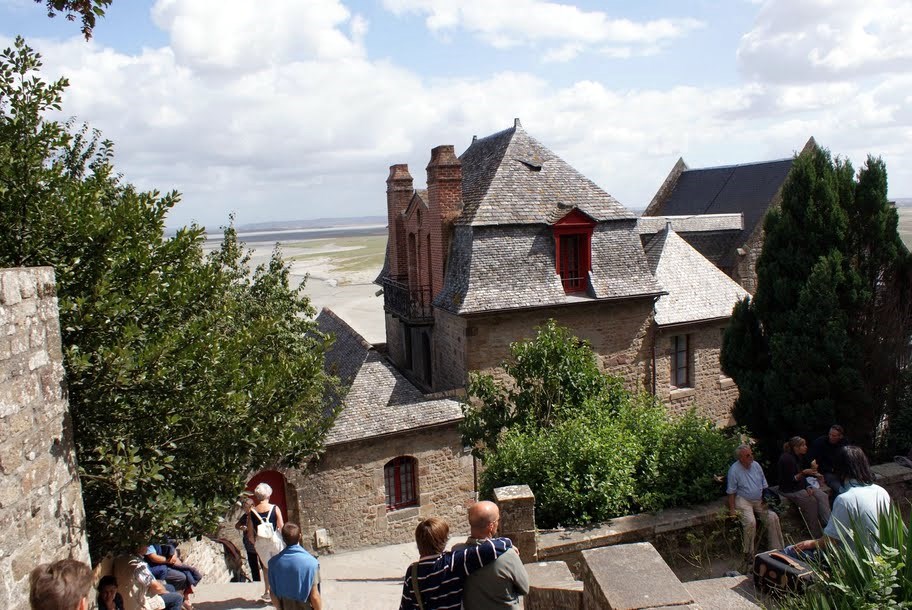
x=238, y=603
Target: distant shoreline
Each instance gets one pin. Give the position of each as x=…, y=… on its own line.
x=293, y=235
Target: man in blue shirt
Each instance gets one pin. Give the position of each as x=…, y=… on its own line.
x=294, y=575
x=745, y=499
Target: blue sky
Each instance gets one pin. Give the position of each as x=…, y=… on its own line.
x=293, y=109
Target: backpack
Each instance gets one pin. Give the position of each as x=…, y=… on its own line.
x=265, y=529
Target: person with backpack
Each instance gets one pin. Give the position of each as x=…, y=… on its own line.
x=264, y=523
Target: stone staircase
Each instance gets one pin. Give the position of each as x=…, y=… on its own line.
x=630, y=577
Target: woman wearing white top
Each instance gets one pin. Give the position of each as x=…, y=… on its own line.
x=264, y=512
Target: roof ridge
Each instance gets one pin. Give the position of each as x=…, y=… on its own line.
x=355, y=334
x=736, y=165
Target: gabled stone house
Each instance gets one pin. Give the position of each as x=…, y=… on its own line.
x=505, y=236
x=749, y=190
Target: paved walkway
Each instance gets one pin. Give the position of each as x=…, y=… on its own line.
x=367, y=579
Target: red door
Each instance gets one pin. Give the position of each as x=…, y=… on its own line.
x=275, y=480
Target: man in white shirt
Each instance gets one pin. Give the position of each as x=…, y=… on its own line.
x=746, y=482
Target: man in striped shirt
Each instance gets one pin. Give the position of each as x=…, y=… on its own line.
x=435, y=581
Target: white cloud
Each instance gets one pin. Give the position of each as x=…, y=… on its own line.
x=819, y=40
x=303, y=132
x=564, y=29
x=239, y=34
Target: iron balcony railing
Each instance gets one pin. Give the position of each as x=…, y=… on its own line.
x=412, y=304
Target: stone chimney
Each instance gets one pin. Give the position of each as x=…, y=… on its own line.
x=399, y=191
x=444, y=182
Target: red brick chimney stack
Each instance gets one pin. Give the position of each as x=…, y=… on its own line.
x=444, y=181
x=399, y=192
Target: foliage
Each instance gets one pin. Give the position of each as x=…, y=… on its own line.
x=86, y=10
x=823, y=339
x=857, y=577
x=588, y=448
x=185, y=371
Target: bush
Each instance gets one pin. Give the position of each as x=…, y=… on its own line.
x=618, y=456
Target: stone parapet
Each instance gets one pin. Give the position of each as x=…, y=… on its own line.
x=552, y=587
x=41, y=513
x=517, y=519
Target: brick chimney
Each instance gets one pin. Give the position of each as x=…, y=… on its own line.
x=444, y=181
x=399, y=192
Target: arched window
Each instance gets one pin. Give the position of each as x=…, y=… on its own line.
x=400, y=475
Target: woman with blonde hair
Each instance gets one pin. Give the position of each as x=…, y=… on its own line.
x=798, y=486
x=264, y=522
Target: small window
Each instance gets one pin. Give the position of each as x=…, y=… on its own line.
x=681, y=362
x=401, y=484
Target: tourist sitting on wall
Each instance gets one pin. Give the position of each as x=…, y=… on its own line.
x=62, y=585
x=746, y=483
x=824, y=451
x=140, y=589
x=294, y=574
x=108, y=597
x=860, y=503
x=799, y=486
x=165, y=564
x=435, y=580
x=241, y=526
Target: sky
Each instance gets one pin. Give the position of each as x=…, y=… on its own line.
x=295, y=109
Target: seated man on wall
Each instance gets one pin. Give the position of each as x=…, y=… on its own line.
x=499, y=584
x=825, y=450
x=62, y=585
x=294, y=574
x=746, y=482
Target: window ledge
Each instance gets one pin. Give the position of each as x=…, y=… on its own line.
x=678, y=393
x=402, y=514
x=726, y=382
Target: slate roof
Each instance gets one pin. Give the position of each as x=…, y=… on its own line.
x=502, y=250
x=379, y=400
x=510, y=178
x=512, y=267
x=697, y=290
x=684, y=224
x=747, y=189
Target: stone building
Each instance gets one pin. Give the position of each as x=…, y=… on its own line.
x=748, y=190
x=41, y=513
x=509, y=235
x=505, y=237
x=393, y=457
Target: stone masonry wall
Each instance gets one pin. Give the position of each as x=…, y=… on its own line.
x=344, y=493
x=745, y=271
x=41, y=513
x=618, y=332
x=713, y=394
x=449, y=351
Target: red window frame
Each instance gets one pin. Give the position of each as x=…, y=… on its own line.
x=573, y=250
x=401, y=482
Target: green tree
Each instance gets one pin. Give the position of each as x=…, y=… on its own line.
x=185, y=371
x=86, y=11
x=816, y=344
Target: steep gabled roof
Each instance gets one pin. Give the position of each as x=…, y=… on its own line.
x=748, y=189
x=511, y=178
x=697, y=290
x=378, y=400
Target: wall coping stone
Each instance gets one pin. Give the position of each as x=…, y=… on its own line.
x=632, y=576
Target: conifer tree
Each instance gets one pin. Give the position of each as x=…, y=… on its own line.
x=810, y=348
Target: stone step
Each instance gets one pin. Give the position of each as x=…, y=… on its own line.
x=630, y=577
x=731, y=593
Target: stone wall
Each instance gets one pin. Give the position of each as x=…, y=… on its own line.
x=618, y=332
x=745, y=271
x=713, y=394
x=449, y=350
x=41, y=513
x=344, y=492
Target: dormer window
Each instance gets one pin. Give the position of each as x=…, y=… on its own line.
x=573, y=250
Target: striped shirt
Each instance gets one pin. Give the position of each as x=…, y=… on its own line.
x=440, y=578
